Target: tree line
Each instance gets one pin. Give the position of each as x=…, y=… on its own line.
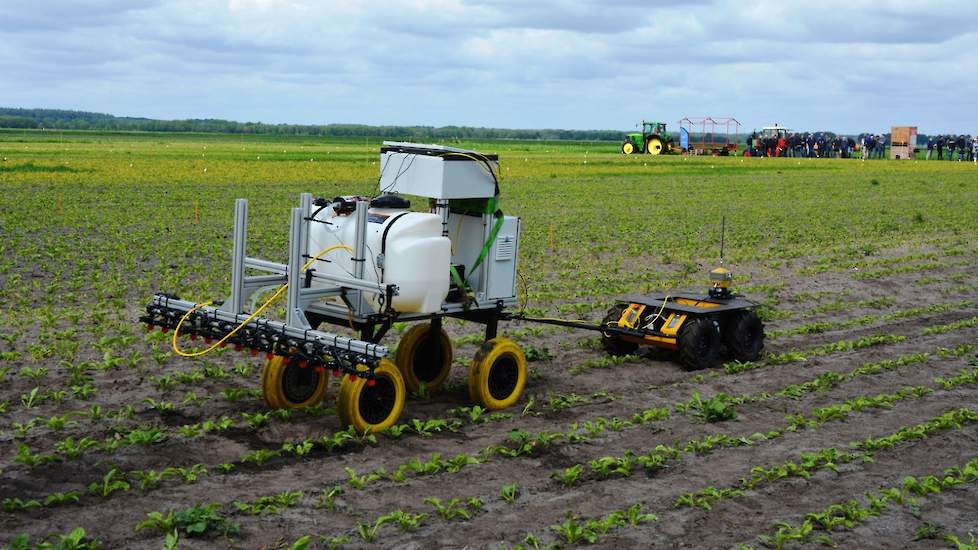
x=56, y=119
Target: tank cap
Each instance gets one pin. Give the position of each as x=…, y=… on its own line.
x=390, y=200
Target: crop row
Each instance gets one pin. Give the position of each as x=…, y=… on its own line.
x=657, y=458
x=916, y=311
x=829, y=458
x=717, y=408
x=816, y=526
x=116, y=480
x=82, y=388
x=807, y=464
x=155, y=434
x=520, y=443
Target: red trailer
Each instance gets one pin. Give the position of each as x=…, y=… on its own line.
x=709, y=135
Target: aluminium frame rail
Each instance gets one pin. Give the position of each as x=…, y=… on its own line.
x=295, y=337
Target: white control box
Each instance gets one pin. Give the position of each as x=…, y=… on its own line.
x=495, y=277
x=436, y=171
x=501, y=263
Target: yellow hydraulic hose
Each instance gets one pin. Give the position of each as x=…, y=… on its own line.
x=257, y=312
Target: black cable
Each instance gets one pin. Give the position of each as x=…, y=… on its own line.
x=374, y=263
x=383, y=168
x=397, y=175
x=401, y=170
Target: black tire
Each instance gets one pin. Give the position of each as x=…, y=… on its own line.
x=699, y=344
x=743, y=333
x=613, y=344
x=417, y=360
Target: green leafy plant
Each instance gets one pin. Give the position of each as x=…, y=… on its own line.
x=112, y=481
x=360, y=481
x=327, y=499
x=299, y=449
x=172, y=540
x=569, y=476
x=15, y=504
x=448, y=510
x=573, y=532
x=368, y=531
x=962, y=545
x=256, y=420
x=396, y=431
x=271, y=504
x=715, y=409
x=196, y=521
x=31, y=398
x=927, y=531
x=163, y=407
x=426, y=428
x=218, y=425
x=28, y=458
x=74, y=450
x=75, y=540
x=405, y=521
x=260, y=456
x=145, y=436
x=510, y=492
x=475, y=503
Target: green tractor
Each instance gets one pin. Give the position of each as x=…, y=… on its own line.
x=654, y=140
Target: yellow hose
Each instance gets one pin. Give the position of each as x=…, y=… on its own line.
x=257, y=312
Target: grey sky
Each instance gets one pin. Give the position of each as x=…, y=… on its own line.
x=837, y=65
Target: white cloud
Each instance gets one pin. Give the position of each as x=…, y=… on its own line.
x=842, y=65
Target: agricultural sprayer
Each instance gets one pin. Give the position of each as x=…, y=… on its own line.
x=367, y=263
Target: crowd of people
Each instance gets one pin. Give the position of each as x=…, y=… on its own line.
x=868, y=146
x=806, y=145
x=874, y=146
x=966, y=147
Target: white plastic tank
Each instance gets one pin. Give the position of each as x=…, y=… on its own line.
x=416, y=257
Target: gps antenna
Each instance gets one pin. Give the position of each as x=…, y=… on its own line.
x=723, y=230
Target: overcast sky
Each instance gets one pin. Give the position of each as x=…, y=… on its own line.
x=837, y=65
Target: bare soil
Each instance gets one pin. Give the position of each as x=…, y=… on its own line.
x=615, y=391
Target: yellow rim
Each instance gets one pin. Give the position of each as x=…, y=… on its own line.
x=372, y=408
x=628, y=148
x=415, y=360
x=497, y=375
x=287, y=385
x=654, y=146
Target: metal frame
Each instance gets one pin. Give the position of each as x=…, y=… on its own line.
x=296, y=336
x=707, y=127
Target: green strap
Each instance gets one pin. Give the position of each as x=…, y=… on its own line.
x=457, y=278
x=492, y=238
x=464, y=288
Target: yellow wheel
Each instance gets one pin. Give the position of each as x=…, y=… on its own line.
x=291, y=384
x=418, y=361
x=627, y=148
x=653, y=146
x=497, y=375
x=372, y=407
